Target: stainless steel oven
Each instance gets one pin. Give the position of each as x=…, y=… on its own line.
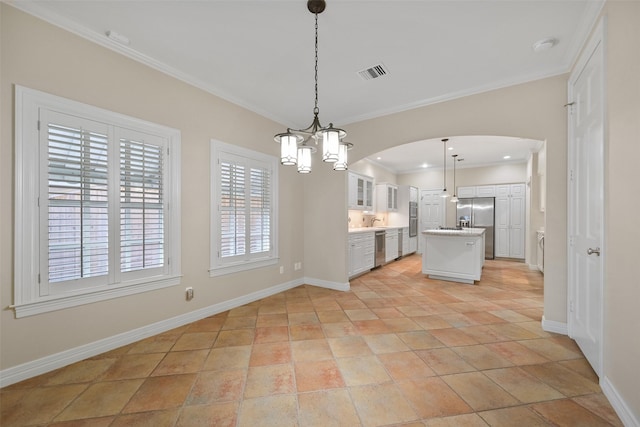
x=413, y=219
x=380, y=248
x=413, y=209
x=413, y=227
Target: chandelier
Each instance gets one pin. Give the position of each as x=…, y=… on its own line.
x=297, y=145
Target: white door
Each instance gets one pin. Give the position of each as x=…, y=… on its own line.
x=432, y=211
x=586, y=195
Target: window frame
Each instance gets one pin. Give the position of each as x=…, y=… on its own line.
x=219, y=267
x=28, y=299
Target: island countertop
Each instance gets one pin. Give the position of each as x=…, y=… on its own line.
x=465, y=232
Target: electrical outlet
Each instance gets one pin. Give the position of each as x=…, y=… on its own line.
x=282, y=269
x=189, y=293
x=297, y=266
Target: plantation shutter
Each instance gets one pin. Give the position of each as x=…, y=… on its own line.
x=141, y=205
x=260, y=236
x=245, y=211
x=77, y=198
x=232, y=208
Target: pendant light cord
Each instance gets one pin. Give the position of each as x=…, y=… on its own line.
x=444, y=165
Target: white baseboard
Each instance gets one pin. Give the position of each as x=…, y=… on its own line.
x=326, y=284
x=49, y=363
x=626, y=415
x=553, y=326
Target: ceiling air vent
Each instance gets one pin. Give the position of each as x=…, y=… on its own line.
x=374, y=72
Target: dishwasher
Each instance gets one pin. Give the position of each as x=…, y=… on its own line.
x=380, y=248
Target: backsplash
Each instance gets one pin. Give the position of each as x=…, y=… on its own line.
x=358, y=219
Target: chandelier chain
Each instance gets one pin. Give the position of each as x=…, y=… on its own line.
x=297, y=145
x=316, y=110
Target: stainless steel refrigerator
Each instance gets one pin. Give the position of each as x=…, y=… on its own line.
x=479, y=212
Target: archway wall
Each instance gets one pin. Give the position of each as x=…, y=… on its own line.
x=532, y=110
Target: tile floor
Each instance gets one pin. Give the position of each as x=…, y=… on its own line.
x=398, y=349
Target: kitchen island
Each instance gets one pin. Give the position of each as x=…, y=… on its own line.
x=453, y=254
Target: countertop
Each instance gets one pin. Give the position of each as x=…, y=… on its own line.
x=465, y=232
x=371, y=229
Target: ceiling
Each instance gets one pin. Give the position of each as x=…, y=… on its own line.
x=260, y=54
x=472, y=151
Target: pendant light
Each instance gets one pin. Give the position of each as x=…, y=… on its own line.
x=444, y=169
x=454, y=199
x=341, y=164
x=297, y=145
x=304, y=158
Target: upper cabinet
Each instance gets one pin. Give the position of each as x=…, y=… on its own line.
x=360, y=192
x=478, y=191
x=465, y=192
x=413, y=194
x=386, y=197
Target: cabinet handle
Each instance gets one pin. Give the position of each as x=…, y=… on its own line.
x=471, y=243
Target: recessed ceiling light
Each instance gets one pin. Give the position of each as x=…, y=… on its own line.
x=450, y=148
x=506, y=157
x=378, y=158
x=424, y=165
x=544, y=44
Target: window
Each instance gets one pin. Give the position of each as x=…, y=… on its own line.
x=243, y=212
x=97, y=204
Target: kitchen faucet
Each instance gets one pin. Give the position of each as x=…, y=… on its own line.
x=373, y=221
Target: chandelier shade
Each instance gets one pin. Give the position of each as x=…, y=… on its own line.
x=330, y=144
x=295, y=144
x=304, y=158
x=342, y=164
x=288, y=148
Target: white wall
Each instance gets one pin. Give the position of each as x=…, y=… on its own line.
x=43, y=57
x=622, y=151
x=487, y=175
x=37, y=55
x=533, y=110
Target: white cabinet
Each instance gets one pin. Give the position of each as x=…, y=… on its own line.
x=386, y=198
x=405, y=240
x=464, y=192
x=478, y=191
x=361, y=252
x=510, y=220
x=360, y=192
x=486, y=191
x=391, y=245
x=458, y=258
x=413, y=244
x=413, y=194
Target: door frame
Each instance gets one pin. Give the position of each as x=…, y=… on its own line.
x=597, y=38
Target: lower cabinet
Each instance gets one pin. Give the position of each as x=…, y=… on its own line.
x=405, y=240
x=361, y=252
x=413, y=244
x=458, y=258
